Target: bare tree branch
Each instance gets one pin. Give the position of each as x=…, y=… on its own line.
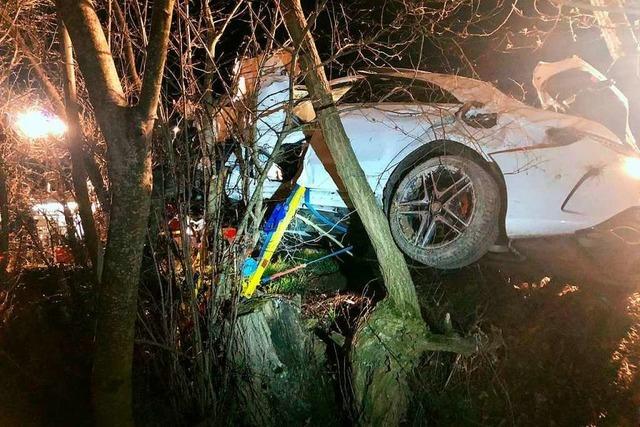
x=93, y=53
x=130, y=57
x=156, y=58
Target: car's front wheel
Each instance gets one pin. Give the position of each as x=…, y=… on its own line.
x=445, y=212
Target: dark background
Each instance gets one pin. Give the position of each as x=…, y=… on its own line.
x=494, y=40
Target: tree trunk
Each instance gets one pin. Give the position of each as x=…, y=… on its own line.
x=71, y=236
x=130, y=174
x=94, y=175
x=69, y=108
x=394, y=268
x=74, y=141
x=385, y=348
x=127, y=131
x=388, y=344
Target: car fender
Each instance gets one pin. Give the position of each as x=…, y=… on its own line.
x=435, y=141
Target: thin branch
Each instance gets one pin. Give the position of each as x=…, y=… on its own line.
x=156, y=58
x=92, y=52
x=36, y=64
x=130, y=56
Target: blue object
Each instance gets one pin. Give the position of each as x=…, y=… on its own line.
x=279, y=212
x=326, y=221
x=271, y=224
x=249, y=266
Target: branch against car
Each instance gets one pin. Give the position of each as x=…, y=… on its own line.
x=392, y=264
x=388, y=345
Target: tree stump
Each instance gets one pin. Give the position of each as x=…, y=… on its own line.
x=282, y=369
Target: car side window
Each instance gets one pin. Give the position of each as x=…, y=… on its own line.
x=380, y=89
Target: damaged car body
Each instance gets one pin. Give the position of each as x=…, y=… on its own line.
x=455, y=163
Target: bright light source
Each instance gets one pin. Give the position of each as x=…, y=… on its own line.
x=36, y=124
x=632, y=167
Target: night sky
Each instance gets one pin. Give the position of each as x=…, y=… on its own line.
x=506, y=57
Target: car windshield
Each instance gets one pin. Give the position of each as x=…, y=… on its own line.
x=377, y=89
x=582, y=94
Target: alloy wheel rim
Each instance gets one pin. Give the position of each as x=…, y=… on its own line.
x=434, y=208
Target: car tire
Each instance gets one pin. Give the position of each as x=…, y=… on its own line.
x=435, y=228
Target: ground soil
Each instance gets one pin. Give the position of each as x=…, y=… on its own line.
x=560, y=334
x=567, y=320
x=45, y=349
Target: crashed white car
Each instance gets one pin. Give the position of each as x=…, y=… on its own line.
x=456, y=164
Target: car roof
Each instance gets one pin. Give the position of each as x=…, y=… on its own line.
x=465, y=89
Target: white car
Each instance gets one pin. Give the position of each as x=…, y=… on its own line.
x=456, y=164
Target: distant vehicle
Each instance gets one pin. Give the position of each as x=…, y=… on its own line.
x=455, y=163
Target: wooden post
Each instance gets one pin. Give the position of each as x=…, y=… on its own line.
x=615, y=28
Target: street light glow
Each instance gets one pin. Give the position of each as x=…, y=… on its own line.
x=35, y=124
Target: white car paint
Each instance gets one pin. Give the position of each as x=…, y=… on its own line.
x=539, y=172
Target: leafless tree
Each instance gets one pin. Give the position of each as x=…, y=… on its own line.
x=127, y=130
